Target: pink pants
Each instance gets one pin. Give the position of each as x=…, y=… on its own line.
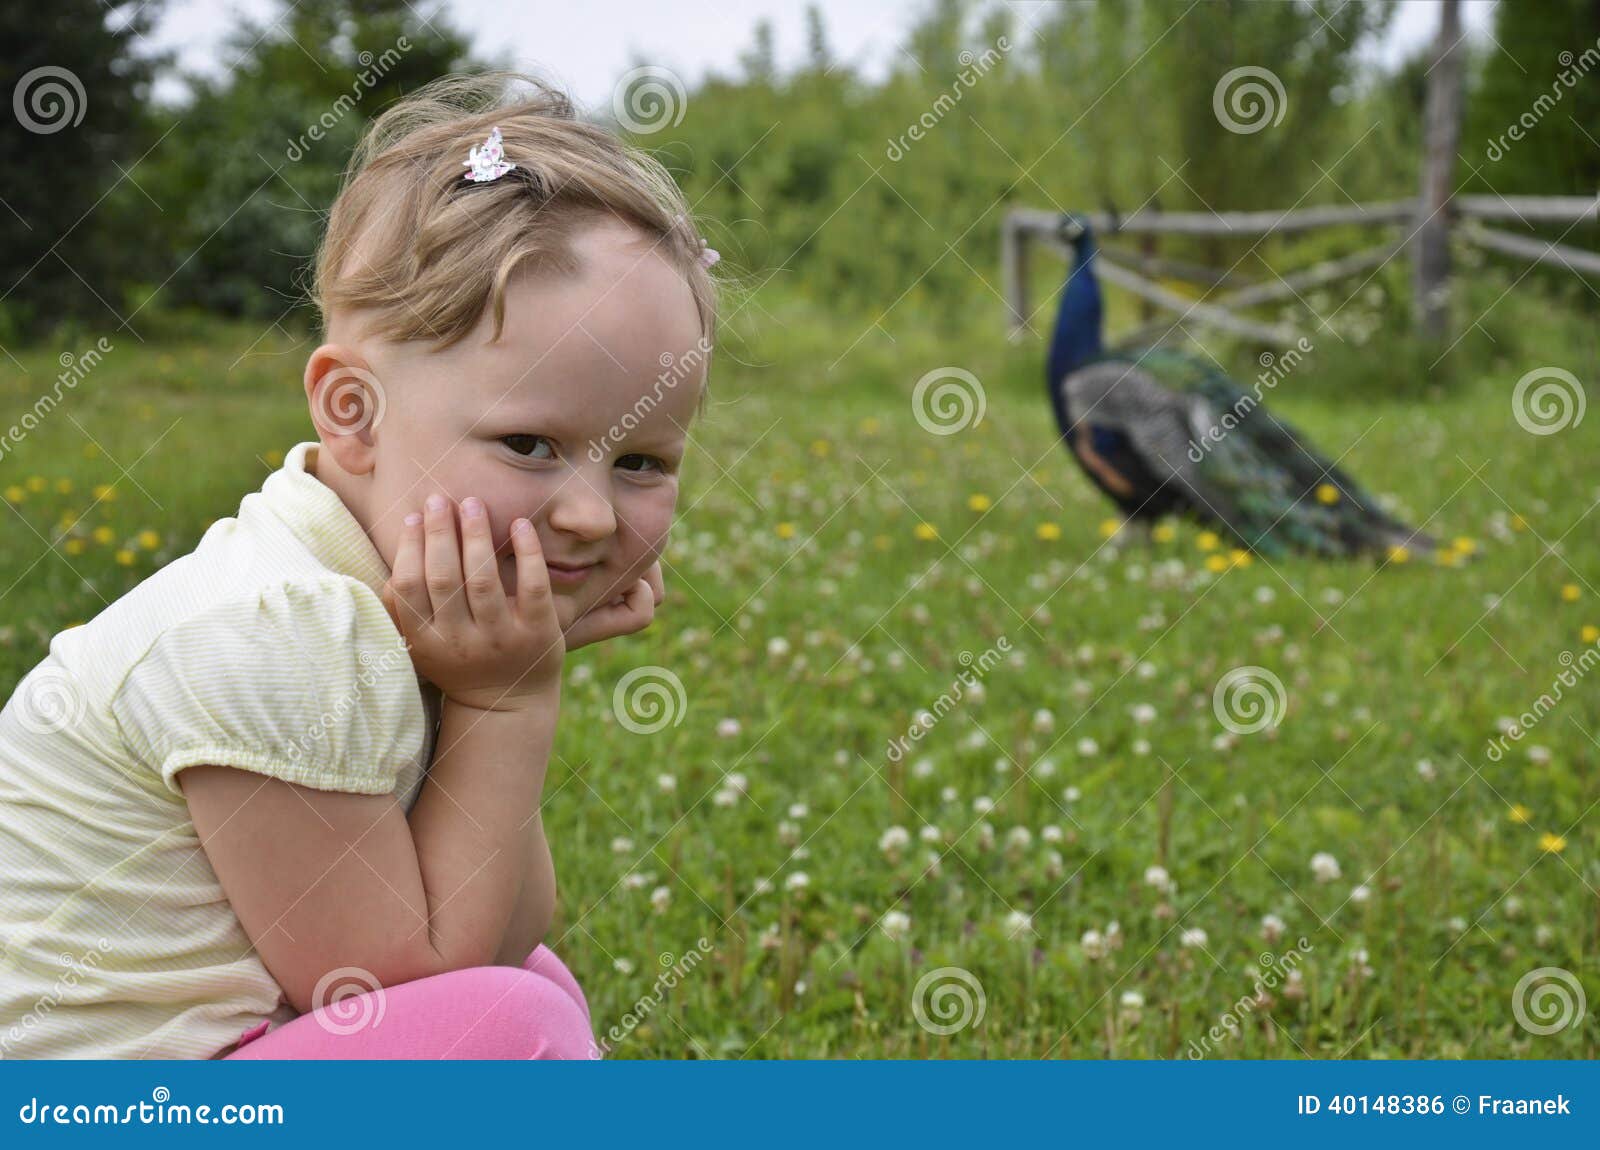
x=484, y=1012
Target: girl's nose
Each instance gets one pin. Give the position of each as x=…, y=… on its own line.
x=579, y=509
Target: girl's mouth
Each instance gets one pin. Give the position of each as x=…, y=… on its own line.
x=569, y=574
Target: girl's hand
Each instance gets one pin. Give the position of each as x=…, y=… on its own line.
x=629, y=612
x=478, y=645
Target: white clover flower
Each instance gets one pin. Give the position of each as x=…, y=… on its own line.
x=1071, y=794
x=738, y=782
x=621, y=845
x=922, y=769
x=633, y=880
x=725, y=797
x=1324, y=867
x=788, y=833
x=661, y=898
x=1132, y=1000
x=976, y=741
x=798, y=810
x=1051, y=833
x=1426, y=771
x=985, y=837
x=1045, y=768
x=727, y=728
x=623, y=966
x=1087, y=747
x=1019, y=839
x=931, y=834
x=894, y=840
x=977, y=692
x=1044, y=721
x=1543, y=935
x=1457, y=924
x=1192, y=936
x=797, y=881
x=1512, y=907
x=1094, y=944
x=1143, y=713
x=1360, y=893
x=1141, y=746
x=777, y=646
x=1157, y=877
x=1272, y=927
x=761, y=886
x=1054, y=865
x=1539, y=755
x=948, y=794
x=1018, y=923
x=896, y=924
x=666, y=784
x=982, y=805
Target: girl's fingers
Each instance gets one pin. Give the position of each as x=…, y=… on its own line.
x=486, y=598
x=441, y=563
x=533, y=578
x=658, y=589
x=407, y=591
x=634, y=613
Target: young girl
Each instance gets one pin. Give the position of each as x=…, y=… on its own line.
x=281, y=800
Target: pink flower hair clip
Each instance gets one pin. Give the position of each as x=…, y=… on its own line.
x=708, y=256
x=487, y=161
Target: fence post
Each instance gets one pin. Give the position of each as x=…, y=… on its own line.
x=1441, y=134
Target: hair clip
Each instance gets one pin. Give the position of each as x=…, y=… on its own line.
x=708, y=256
x=487, y=162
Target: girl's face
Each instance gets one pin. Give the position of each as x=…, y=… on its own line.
x=576, y=419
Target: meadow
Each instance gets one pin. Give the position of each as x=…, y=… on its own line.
x=764, y=851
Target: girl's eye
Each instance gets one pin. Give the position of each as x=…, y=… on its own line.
x=640, y=463
x=529, y=446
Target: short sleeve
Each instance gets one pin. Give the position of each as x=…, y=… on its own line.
x=307, y=681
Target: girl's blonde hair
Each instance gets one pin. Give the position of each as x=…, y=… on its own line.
x=422, y=251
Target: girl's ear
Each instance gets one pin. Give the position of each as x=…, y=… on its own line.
x=347, y=403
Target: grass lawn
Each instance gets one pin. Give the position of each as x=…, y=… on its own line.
x=837, y=569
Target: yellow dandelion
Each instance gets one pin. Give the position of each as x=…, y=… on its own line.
x=870, y=426
x=73, y=546
x=1399, y=554
x=786, y=531
x=274, y=457
x=149, y=540
x=15, y=494
x=820, y=447
x=125, y=557
x=978, y=502
x=90, y=450
x=1327, y=493
x=106, y=492
x=37, y=483
x=1589, y=633
x=1047, y=531
x=103, y=534
x=1552, y=843
x=926, y=531
x=1109, y=527
x=64, y=486
x=1519, y=813
x=1207, y=541
x=1163, y=533
x=1240, y=557
x=1570, y=593
x=1464, y=545
x=882, y=542
x=1216, y=563
x=1518, y=523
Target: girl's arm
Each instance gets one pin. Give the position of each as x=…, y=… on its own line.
x=536, y=902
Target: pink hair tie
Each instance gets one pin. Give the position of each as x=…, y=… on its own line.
x=708, y=256
x=487, y=162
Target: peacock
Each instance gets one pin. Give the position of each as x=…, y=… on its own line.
x=1165, y=433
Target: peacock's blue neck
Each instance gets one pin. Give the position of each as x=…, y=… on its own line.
x=1077, y=335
